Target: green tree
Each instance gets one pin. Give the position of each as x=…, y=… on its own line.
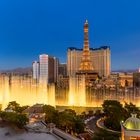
x=114, y=114
x=13, y=105
x=70, y=122
x=48, y=108
x=105, y=135
x=90, y=113
x=70, y=111
x=83, y=115
x=12, y=117
x=20, y=109
x=2, y=115
x=66, y=121
x=16, y=107
x=129, y=109
x=98, y=112
x=79, y=125
x=21, y=120
x=51, y=114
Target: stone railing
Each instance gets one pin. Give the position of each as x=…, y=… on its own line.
x=63, y=134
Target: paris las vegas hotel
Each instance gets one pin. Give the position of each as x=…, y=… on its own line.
x=94, y=61
x=99, y=57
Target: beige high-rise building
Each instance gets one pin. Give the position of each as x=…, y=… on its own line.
x=100, y=58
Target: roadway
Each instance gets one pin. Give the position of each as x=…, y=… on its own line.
x=91, y=125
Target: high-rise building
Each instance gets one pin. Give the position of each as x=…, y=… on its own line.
x=52, y=69
x=56, y=66
x=43, y=60
x=35, y=66
x=97, y=60
x=63, y=79
x=48, y=69
x=136, y=80
x=62, y=70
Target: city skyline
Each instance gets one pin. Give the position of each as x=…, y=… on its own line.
x=29, y=29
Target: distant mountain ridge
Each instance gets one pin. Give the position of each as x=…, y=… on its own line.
x=129, y=70
x=28, y=70
x=20, y=70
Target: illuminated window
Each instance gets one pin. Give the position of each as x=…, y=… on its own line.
x=135, y=138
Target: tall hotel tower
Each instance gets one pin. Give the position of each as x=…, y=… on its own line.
x=43, y=59
x=35, y=70
x=97, y=60
x=48, y=69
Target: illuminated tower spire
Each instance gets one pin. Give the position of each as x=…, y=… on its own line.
x=86, y=64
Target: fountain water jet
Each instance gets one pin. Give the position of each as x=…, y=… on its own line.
x=77, y=91
x=25, y=92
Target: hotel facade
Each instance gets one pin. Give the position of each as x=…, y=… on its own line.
x=35, y=66
x=46, y=70
x=100, y=58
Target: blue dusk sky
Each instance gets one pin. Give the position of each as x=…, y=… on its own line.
x=32, y=27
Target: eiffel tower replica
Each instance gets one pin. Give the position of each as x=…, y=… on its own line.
x=86, y=67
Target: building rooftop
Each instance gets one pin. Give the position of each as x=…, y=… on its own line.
x=132, y=123
x=37, y=108
x=93, y=49
x=12, y=134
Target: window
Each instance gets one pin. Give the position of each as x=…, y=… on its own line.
x=135, y=138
